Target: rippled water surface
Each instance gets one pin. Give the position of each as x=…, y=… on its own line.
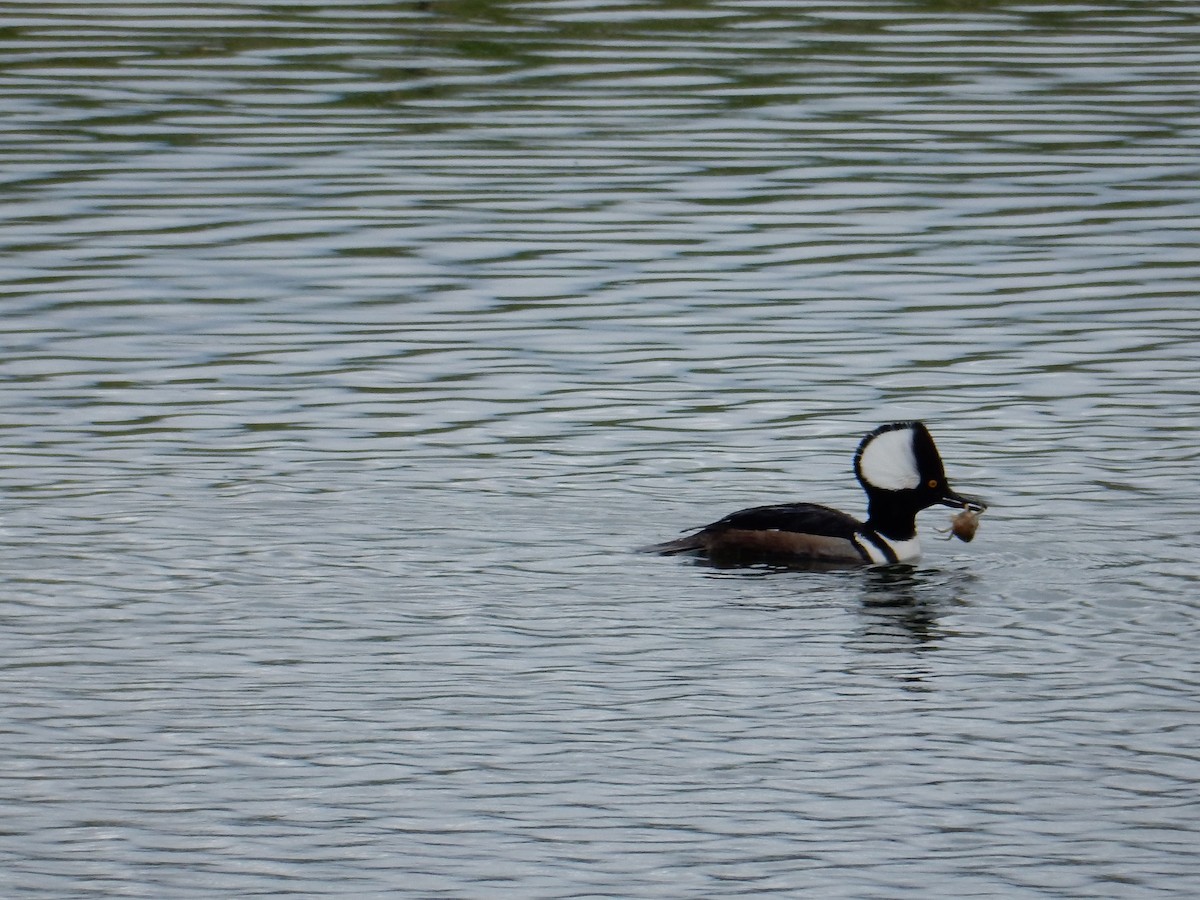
x=349, y=348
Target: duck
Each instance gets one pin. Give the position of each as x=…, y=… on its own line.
x=901, y=471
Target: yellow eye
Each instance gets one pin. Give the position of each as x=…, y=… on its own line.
x=932, y=482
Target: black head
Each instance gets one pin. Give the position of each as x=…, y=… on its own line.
x=899, y=465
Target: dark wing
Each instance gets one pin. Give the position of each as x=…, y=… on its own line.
x=787, y=531
x=801, y=518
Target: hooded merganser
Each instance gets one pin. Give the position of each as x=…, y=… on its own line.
x=897, y=465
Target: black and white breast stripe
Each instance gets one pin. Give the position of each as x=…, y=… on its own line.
x=876, y=548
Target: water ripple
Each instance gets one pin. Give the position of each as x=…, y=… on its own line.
x=351, y=348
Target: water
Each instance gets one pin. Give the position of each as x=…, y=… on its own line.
x=350, y=347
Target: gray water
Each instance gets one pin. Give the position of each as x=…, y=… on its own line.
x=349, y=348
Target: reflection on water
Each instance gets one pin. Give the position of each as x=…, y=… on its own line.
x=350, y=347
x=899, y=604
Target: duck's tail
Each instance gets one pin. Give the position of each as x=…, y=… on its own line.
x=680, y=545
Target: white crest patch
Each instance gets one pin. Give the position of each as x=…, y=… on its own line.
x=888, y=461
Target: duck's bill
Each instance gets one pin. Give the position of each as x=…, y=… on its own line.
x=961, y=501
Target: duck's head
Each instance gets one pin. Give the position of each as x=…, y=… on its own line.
x=898, y=464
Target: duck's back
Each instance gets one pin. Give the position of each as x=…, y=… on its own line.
x=784, y=531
